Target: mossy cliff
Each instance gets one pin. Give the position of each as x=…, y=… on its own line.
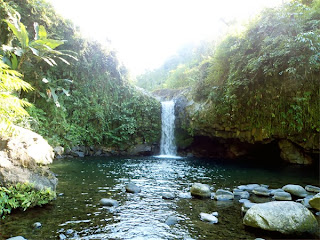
x=261, y=87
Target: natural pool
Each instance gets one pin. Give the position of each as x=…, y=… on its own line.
x=84, y=181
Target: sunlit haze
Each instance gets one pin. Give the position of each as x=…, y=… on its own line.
x=146, y=32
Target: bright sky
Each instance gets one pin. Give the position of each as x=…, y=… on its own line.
x=146, y=32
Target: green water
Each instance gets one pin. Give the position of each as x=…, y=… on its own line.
x=84, y=181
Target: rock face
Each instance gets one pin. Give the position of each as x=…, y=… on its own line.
x=285, y=217
x=234, y=137
x=292, y=153
x=315, y=202
x=200, y=190
x=22, y=158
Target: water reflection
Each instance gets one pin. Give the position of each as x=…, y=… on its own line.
x=84, y=182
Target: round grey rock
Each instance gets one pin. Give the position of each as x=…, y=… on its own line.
x=62, y=236
x=284, y=216
x=311, y=188
x=295, y=190
x=200, y=190
x=240, y=193
x=261, y=191
x=208, y=218
x=37, y=225
x=223, y=195
x=282, y=196
x=132, y=188
x=109, y=202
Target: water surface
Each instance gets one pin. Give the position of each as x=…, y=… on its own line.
x=84, y=181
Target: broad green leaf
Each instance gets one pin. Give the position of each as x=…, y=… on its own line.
x=14, y=62
x=63, y=60
x=34, y=51
x=42, y=32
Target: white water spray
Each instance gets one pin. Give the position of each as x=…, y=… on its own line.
x=167, y=146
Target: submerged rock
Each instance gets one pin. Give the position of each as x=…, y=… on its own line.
x=223, y=195
x=240, y=193
x=285, y=217
x=172, y=220
x=208, y=218
x=296, y=190
x=168, y=196
x=311, y=188
x=315, y=201
x=132, y=188
x=200, y=190
x=109, y=202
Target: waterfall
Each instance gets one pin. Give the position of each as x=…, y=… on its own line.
x=167, y=146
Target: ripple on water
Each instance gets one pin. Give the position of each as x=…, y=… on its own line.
x=143, y=215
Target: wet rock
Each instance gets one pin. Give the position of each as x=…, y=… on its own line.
x=62, y=236
x=78, y=154
x=311, y=188
x=240, y=193
x=223, y=195
x=296, y=190
x=305, y=201
x=37, y=225
x=244, y=200
x=58, y=151
x=185, y=195
x=208, y=218
x=17, y=238
x=132, y=188
x=168, y=196
x=261, y=191
x=216, y=214
x=109, y=202
x=315, y=201
x=200, y=190
x=248, y=187
x=282, y=196
x=246, y=206
x=69, y=231
x=285, y=217
x=172, y=220
x=273, y=191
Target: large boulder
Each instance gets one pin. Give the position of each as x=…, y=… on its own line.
x=22, y=157
x=293, y=153
x=223, y=195
x=285, y=217
x=200, y=190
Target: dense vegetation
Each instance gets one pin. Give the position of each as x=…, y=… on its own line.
x=266, y=77
x=81, y=92
x=22, y=196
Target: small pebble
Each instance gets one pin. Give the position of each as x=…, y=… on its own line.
x=37, y=225
x=62, y=236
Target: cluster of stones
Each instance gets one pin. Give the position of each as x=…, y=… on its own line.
x=281, y=214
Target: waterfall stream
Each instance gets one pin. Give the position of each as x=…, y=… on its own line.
x=167, y=146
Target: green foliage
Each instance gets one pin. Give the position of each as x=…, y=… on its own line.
x=23, y=196
x=88, y=102
x=11, y=107
x=181, y=70
x=268, y=77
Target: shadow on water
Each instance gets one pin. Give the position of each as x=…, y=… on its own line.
x=83, y=182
